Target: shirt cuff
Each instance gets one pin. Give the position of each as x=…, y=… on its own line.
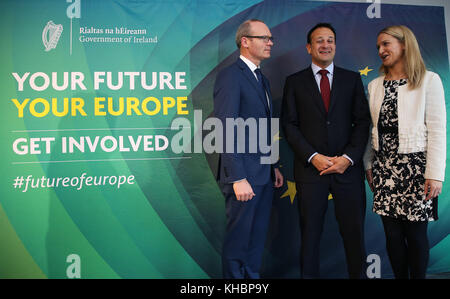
x=238, y=181
x=348, y=158
x=310, y=158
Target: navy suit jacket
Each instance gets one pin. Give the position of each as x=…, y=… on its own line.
x=308, y=128
x=238, y=95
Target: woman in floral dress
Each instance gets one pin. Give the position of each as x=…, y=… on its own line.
x=405, y=158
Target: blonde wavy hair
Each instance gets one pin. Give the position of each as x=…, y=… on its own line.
x=414, y=65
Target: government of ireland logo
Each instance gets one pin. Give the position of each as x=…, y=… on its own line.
x=50, y=35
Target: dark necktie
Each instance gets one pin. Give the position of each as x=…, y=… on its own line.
x=325, y=88
x=261, y=83
x=260, y=79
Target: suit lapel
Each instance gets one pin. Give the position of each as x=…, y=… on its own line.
x=317, y=97
x=252, y=79
x=269, y=105
x=335, y=89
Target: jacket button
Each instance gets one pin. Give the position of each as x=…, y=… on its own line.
x=328, y=123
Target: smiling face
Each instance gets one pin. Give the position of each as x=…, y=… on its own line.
x=390, y=50
x=256, y=49
x=322, y=47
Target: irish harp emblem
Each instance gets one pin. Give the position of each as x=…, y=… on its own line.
x=51, y=34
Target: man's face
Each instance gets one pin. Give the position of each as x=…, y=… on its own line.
x=257, y=48
x=322, y=47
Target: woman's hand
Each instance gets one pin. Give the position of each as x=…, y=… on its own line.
x=432, y=188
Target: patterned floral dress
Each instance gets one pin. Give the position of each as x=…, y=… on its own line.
x=398, y=178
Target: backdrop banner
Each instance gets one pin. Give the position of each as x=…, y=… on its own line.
x=107, y=167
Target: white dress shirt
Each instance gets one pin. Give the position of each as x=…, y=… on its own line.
x=318, y=76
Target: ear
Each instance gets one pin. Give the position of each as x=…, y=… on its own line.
x=244, y=42
x=308, y=48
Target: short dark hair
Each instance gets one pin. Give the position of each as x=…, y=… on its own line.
x=321, y=25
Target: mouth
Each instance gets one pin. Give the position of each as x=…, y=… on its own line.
x=325, y=52
x=384, y=56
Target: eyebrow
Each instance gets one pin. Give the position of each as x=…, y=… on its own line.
x=383, y=41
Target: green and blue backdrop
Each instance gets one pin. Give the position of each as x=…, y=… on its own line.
x=83, y=173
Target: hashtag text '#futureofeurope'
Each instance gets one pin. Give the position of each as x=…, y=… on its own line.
x=77, y=182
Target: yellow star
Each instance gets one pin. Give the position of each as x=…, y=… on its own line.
x=277, y=136
x=291, y=191
x=365, y=71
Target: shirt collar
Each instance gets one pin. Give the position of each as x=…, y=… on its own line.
x=250, y=64
x=316, y=68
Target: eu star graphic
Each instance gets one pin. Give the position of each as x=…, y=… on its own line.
x=291, y=191
x=277, y=136
x=365, y=71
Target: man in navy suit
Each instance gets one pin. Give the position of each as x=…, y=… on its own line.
x=241, y=91
x=325, y=118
